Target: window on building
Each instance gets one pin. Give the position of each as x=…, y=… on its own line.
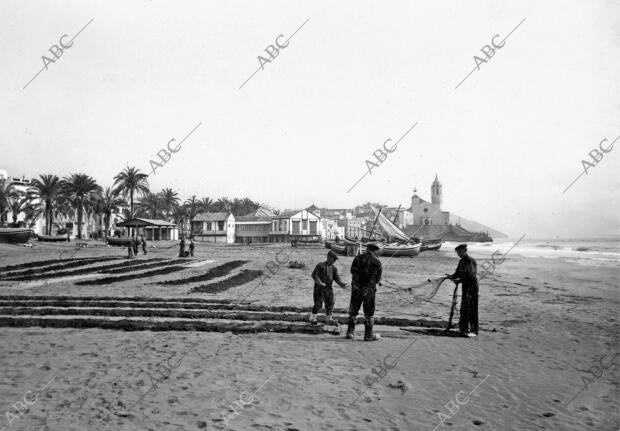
x=305, y=224
x=220, y=225
x=208, y=225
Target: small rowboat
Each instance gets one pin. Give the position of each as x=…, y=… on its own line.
x=398, y=250
x=431, y=244
x=52, y=238
x=12, y=235
x=121, y=242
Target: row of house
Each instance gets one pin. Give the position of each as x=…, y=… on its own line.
x=224, y=227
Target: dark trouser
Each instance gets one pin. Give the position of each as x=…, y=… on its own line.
x=469, y=310
x=365, y=295
x=323, y=294
x=191, y=252
x=144, y=248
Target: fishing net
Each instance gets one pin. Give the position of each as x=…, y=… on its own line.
x=421, y=292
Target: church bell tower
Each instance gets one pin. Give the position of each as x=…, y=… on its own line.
x=436, y=193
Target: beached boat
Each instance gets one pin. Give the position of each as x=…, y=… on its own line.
x=52, y=238
x=400, y=244
x=400, y=250
x=339, y=248
x=431, y=245
x=121, y=242
x=13, y=235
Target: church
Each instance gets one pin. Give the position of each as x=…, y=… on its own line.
x=430, y=213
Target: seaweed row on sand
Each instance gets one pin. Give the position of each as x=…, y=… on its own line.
x=112, y=303
x=217, y=271
x=58, y=274
x=243, y=277
x=58, y=266
x=120, y=299
x=140, y=267
x=168, y=269
x=206, y=314
x=236, y=327
x=38, y=263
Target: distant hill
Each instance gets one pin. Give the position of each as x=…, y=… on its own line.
x=474, y=226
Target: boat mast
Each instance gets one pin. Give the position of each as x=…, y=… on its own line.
x=373, y=225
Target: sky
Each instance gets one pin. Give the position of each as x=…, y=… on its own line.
x=505, y=144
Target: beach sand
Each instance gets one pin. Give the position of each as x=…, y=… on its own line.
x=546, y=327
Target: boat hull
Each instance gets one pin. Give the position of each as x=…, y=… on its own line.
x=431, y=245
x=401, y=250
x=15, y=235
x=52, y=238
x=119, y=242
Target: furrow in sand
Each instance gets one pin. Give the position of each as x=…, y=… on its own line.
x=109, y=298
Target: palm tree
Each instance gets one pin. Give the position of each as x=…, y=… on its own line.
x=109, y=203
x=150, y=206
x=49, y=188
x=130, y=182
x=192, y=207
x=179, y=216
x=169, y=200
x=6, y=189
x=81, y=190
x=19, y=201
x=206, y=204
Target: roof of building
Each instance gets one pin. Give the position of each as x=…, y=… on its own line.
x=253, y=219
x=137, y=222
x=312, y=208
x=291, y=213
x=211, y=216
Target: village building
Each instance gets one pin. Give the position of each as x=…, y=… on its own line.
x=214, y=227
x=252, y=229
x=300, y=225
x=153, y=230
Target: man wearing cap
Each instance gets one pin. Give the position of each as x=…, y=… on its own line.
x=324, y=274
x=466, y=275
x=366, y=270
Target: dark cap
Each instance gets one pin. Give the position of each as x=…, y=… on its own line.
x=332, y=254
x=461, y=247
x=372, y=247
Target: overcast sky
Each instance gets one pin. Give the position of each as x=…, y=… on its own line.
x=505, y=143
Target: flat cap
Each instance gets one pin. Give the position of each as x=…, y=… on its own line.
x=462, y=247
x=372, y=247
x=332, y=254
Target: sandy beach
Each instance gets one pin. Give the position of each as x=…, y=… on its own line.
x=546, y=357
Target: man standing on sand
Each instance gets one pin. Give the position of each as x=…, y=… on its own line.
x=466, y=274
x=191, y=246
x=143, y=242
x=324, y=274
x=366, y=270
x=182, y=247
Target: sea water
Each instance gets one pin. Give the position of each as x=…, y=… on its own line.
x=589, y=251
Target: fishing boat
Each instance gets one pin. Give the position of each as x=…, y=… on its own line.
x=119, y=241
x=339, y=248
x=431, y=244
x=398, y=243
x=12, y=235
x=401, y=250
x=52, y=238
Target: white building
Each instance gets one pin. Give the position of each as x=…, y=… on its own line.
x=296, y=224
x=214, y=227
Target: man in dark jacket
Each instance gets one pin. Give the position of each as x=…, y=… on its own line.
x=324, y=274
x=466, y=274
x=366, y=270
x=182, y=247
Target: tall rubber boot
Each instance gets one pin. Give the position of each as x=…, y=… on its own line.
x=368, y=335
x=351, y=328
